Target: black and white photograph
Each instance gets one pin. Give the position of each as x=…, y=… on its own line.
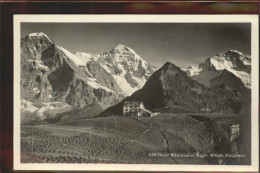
x=136, y=91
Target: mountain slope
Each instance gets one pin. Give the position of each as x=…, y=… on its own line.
x=171, y=87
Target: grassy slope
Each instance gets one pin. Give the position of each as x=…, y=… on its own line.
x=118, y=139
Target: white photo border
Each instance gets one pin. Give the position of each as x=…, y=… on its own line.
x=253, y=19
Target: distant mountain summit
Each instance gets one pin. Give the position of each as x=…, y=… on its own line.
x=128, y=69
x=50, y=73
x=233, y=61
x=170, y=87
x=230, y=59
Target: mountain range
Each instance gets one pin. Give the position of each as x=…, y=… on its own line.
x=53, y=77
x=55, y=81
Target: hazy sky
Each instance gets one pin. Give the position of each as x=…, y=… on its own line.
x=157, y=43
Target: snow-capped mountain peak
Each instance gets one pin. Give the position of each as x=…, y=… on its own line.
x=120, y=47
x=230, y=59
x=123, y=49
x=40, y=34
x=119, y=54
x=234, y=61
x=235, y=51
x=128, y=69
x=37, y=34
